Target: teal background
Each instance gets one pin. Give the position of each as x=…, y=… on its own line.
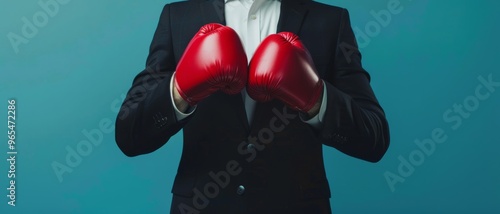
x=74, y=72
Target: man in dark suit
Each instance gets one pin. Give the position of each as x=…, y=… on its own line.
x=242, y=156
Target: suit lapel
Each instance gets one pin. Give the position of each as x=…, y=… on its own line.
x=213, y=11
x=291, y=16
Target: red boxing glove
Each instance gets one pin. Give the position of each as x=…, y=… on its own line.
x=214, y=59
x=283, y=68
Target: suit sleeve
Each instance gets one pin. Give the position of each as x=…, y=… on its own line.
x=354, y=122
x=146, y=119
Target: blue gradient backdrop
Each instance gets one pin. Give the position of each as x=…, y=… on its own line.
x=72, y=75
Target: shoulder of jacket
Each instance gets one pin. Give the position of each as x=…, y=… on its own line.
x=184, y=3
x=324, y=6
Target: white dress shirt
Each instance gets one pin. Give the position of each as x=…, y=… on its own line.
x=253, y=21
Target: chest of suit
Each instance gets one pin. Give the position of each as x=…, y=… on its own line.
x=279, y=163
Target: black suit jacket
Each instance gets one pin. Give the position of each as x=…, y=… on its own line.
x=276, y=164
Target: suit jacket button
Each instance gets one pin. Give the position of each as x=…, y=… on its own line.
x=240, y=190
x=250, y=147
